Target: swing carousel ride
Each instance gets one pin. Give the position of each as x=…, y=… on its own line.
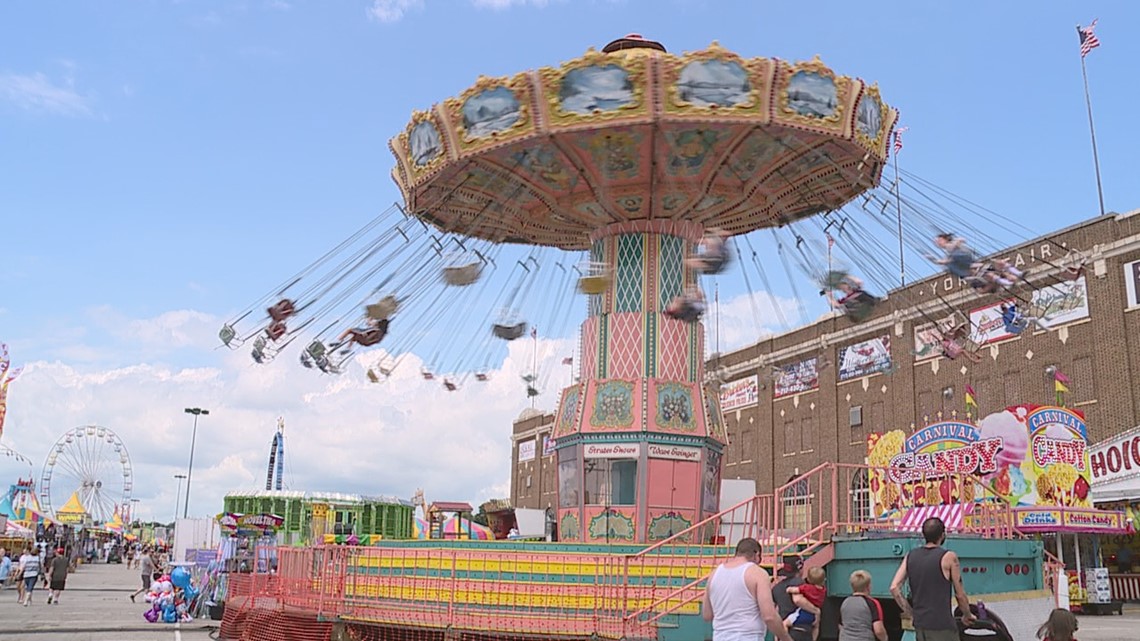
x=628, y=176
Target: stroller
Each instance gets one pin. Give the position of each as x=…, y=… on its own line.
x=988, y=626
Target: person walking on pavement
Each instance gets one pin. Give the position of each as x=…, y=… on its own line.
x=146, y=568
x=738, y=598
x=57, y=575
x=5, y=568
x=30, y=569
x=933, y=572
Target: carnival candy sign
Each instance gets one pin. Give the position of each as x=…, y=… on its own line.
x=1030, y=455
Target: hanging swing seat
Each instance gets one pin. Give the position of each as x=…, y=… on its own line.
x=529, y=378
x=428, y=376
x=712, y=255
x=509, y=332
x=482, y=377
x=859, y=306
x=282, y=309
x=595, y=284
x=372, y=376
x=1073, y=265
x=462, y=275
x=306, y=360
x=228, y=335
x=370, y=336
x=316, y=350
x=532, y=391
x=383, y=308
x=449, y=385
x=955, y=325
x=276, y=330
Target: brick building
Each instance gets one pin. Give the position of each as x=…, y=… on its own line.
x=881, y=374
x=781, y=425
x=533, y=481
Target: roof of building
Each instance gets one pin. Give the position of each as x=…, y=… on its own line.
x=328, y=497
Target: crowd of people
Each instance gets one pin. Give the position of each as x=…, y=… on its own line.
x=47, y=563
x=744, y=603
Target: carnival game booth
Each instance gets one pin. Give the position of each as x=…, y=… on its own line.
x=1033, y=458
x=310, y=517
x=1115, y=470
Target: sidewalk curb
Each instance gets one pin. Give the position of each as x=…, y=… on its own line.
x=119, y=628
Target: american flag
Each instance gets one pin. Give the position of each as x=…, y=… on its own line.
x=898, y=138
x=1089, y=41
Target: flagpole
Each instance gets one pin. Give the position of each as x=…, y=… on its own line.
x=898, y=206
x=1092, y=133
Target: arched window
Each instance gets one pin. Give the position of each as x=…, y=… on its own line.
x=796, y=499
x=860, y=500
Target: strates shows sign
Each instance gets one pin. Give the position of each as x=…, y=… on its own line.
x=1116, y=459
x=526, y=450
x=611, y=450
x=674, y=452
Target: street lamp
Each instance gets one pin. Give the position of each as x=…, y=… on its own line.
x=178, y=494
x=196, y=411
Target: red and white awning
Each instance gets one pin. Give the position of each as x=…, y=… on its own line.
x=952, y=515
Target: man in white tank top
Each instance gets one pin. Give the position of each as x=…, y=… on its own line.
x=738, y=598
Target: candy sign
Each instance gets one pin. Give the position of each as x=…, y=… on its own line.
x=1029, y=455
x=738, y=394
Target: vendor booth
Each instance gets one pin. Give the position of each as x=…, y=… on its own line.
x=1035, y=458
x=1115, y=478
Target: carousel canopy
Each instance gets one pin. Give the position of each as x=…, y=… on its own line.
x=547, y=156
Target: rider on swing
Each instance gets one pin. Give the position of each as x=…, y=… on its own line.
x=712, y=253
x=688, y=307
x=367, y=336
x=855, y=302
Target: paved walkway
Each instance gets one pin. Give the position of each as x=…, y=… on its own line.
x=94, y=607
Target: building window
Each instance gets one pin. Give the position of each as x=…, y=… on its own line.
x=1082, y=387
x=797, y=505
x=807, y=434
x=1012, y=389
x=855, y=416
x=611, y=482
x=860, y=497
x=568, y=477
x=791, y=439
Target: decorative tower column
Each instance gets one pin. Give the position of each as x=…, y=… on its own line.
x=639, y=437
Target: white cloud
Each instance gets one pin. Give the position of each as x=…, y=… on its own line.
x=38, y=92
x=746, y=319
x=342, y=433
x=392, y=10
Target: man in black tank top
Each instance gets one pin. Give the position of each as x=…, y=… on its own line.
x=933, y=573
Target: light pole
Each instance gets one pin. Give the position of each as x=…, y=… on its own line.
x=131, y=512
x=196, y=411
x=178, y=494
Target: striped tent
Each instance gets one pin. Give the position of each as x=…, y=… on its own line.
x=952, y=515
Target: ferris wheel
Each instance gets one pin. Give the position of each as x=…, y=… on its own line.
x=92, y=462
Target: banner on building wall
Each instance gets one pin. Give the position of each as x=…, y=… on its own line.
x=526, y=451
x=927, y=341
x=738, y=394
x=1030, y=455
x=1132, y=283
x=548, y=445
x=865, y=358
x=1055, y=305
x=795, y=378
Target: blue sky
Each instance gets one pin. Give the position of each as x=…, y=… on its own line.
x=165, y=162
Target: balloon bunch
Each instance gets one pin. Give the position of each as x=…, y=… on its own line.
x=170, y=597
